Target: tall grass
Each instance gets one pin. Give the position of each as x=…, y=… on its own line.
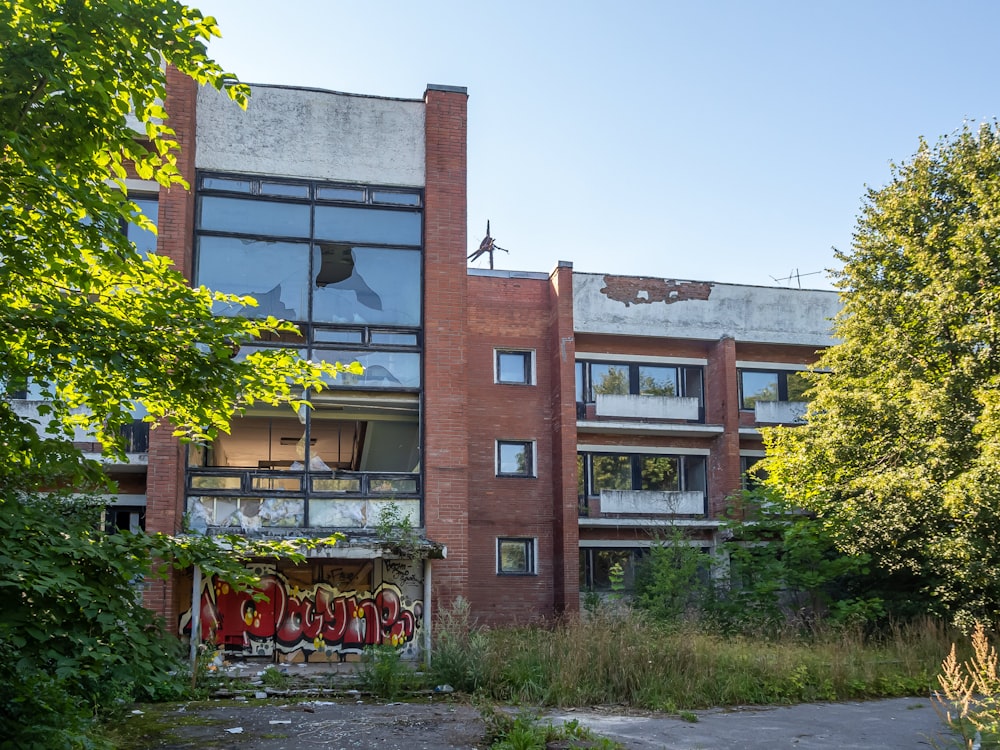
x=626, y=658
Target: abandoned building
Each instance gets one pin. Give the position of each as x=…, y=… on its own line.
x=532, y=428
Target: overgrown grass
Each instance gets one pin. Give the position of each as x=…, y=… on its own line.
x=626, y=658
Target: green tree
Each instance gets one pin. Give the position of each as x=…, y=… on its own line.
x=102, y=329
x=900, y=456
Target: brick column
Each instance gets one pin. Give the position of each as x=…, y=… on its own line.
x=446, y=435
x=566, y=531
x=722, y=407
x=175, y=228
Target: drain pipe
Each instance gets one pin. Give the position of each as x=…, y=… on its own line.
x=195, y=623
x=427, y=612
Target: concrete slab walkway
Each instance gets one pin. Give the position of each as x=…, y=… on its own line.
x=896, y=724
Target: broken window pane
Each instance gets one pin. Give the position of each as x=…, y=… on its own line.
x=366, y=285
x=275, y=273
x=382, y=369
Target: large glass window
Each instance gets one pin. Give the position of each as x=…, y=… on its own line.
x=611, y=471
x=627, y=378
x=358, y=264
x=771, y=385
x=248, y=216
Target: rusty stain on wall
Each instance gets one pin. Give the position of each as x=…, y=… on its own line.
x=643, y=290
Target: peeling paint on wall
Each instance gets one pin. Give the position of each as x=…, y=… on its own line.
x=643, y=290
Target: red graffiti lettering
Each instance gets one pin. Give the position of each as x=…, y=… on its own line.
x=319, y=618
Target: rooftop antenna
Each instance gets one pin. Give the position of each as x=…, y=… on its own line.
x=794, y=274
x=487, y=246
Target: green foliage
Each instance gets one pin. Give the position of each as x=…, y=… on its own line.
x=275, y=678
x=629, y=659
x=900, y=456
x=673, y=579
x=524, y=731
x=394, y=527
x=384, y=673
x=784, y=570
x=454, y=659
x=101, y=329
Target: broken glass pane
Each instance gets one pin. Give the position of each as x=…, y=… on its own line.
x=366, y=285
x=382, y=369
x=275, y=273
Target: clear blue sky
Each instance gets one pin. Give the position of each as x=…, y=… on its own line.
x=724, y=141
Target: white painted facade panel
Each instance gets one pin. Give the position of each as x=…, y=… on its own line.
x=308, y=133
x=634, y=306
x=646, y=407
x=780, y=412
x=652, y=502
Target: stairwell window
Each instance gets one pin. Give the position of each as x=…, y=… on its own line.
x=514, y=367
x=515, y=458
x=515, y=556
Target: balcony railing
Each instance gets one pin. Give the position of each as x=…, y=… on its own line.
x=780, y=412
x=647, y=407
x=226, y=481
x=653, y=502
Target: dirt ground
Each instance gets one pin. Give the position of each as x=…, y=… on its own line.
x=275, y=725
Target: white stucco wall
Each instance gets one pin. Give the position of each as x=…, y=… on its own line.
x=314, y=134
x=636, y=306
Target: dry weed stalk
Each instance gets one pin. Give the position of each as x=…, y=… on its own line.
x=970, y=690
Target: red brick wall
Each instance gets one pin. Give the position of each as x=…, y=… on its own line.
x=164, y=477
x=514, y=314
x=562, y=356
x=445, y=440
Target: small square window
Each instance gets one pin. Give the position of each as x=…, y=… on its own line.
x=515, y=458
x=514, y=367
x=515, y=556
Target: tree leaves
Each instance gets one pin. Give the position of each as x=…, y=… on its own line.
x=898, y=455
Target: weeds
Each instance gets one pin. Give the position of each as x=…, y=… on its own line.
x=273, y=678
x=629, y=659
x=523, y=731
x=384, y=673
x=969, y=699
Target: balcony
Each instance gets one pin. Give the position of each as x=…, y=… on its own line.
x=780, y=412
x=646, y=407
x=255, y=499
x=653, y=502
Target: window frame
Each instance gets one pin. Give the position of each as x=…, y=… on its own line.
x=528, y=357
x=633, y=370
x=637, y=478
x=782, y=376
x=530, y=546
x=530, y=448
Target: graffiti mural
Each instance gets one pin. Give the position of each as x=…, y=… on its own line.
x=318, y=618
